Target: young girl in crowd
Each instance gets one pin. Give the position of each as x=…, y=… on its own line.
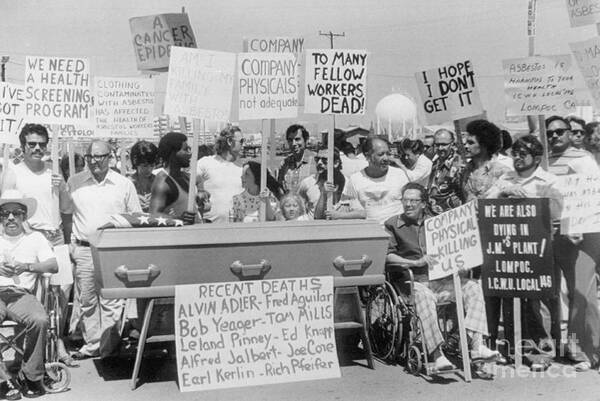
x=246, y=205
x=292, y=208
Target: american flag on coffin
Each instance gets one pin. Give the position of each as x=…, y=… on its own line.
x=135, y=220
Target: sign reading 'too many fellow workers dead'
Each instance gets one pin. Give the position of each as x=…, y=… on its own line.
x=449, y=92
x=153, y=36
x=336, y=81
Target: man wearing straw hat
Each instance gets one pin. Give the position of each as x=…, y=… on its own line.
x=24, y=254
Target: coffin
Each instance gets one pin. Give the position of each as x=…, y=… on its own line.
x=149, y=262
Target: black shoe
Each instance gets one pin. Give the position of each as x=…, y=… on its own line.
x=31, y=389
x=9, y=390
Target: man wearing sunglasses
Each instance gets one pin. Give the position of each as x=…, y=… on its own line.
x=96, y=193
x=24, y=255
x=564, y=158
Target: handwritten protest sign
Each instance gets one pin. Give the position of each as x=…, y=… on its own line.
x=583, y=12
x=449, y=92
x=72, y=131
x=581, y=203
x=587, y=55
x=452, y=239
x=200, y=84
x=539, y=85
x=124, y=107
x=12, y=100
x=254, y=332
x=335, y=81
x=267, y=84
x=57, y=90
x=153, y=36
x=517, y=243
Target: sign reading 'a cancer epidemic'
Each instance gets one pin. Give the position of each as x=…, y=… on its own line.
x=254, y=332
x=200, y=84
x=581, y=203
x=58, y=90
x=583, y=12
x=449, y=92
x=153, y=36
x=517, y=248
x=124, y=107
x=453, y=242
x=587, y=55
x=539, y=85
x=335, y=81
x=12, y=110
x=268, y=86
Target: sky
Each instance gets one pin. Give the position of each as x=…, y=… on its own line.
x=401, y=36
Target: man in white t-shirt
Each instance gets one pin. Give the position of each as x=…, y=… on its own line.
x=25, y=255
x=220, y=176
x=375, y=192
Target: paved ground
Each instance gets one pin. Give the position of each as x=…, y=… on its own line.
x=95, y=380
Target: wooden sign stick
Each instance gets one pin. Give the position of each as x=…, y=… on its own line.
x=263, y=172
x=197, y=125
x=123, y=156
x=460, y=312
x=458, y=139
x=5, y=159
x=330, y=146
x=71, y=153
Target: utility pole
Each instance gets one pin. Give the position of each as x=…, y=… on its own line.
x=3, y=62
x=332, y=35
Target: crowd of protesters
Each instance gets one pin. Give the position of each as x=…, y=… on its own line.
x=397, y=185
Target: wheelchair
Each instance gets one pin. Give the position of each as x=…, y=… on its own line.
x=395, y=330
x=57, y=377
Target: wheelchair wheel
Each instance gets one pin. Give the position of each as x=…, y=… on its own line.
x=57, y=377
x=413, y=360
x=383, y=321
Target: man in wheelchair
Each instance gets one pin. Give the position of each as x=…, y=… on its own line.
x=407, y=250
x=24, y=255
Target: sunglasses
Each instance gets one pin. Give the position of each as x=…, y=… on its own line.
x=558, y=132
x=17, y=213
x=521, y=154
x=578, y=132
x=98, y=158
x=32, y=145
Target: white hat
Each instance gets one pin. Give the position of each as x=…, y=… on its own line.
x=15, y=196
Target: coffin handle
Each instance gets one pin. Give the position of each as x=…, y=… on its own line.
x=343, y=265
x=126, y=275
x=243, y=271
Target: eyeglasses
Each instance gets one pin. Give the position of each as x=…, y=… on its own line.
x=439, y=145
x=578, y=132
x=558, y=131
x=521, y=154
x=42, y=145
x=320, y=159
x=98, y=158
x=412, y=201
x=17, y=213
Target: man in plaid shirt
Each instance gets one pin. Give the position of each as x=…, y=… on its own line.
x=406, y=250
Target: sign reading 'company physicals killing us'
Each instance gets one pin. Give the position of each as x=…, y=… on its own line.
x=268, y=86
x=539, y=85
x=335, y=81
x=153, y=36
x=200, y=84
x=124, y=107
x=58, y=90
x=453, y=241
x=449, y=92
x=583, y=12
x=254, y=332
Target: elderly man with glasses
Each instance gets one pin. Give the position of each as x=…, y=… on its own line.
x=444, y=185
x=96, y=194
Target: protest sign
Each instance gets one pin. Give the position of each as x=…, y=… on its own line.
x=587, y=55
x=581, y=203
x=335, y=81
x=583, y=12
x=274, y=45
x=539, y=85
x=268, y=86
x=124, y=107
x=254, y=332
x=12, y=111
x=72, y=131
x=57, y=90
x=517, y=248
x=449, y=92
x=154, y=35
x=200, y=84
x=452, y=240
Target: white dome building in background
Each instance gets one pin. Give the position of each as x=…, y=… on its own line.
x=396, y=117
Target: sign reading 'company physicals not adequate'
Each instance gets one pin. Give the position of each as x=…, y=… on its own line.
x=449, y=92
x=336, y=81
x=254, y=332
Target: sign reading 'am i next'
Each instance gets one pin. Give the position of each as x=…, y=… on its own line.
x=255, y=332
